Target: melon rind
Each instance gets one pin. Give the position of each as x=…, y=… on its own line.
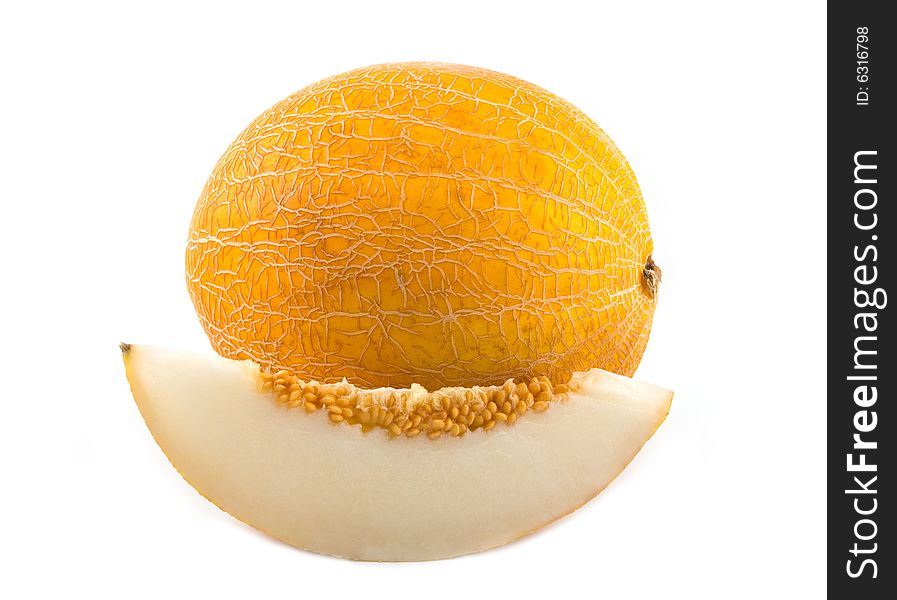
x=424, y=223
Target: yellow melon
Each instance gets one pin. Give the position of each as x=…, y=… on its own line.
x=439, y=279
x=424, y=223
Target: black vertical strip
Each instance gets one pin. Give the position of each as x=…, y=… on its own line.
x=862, y=369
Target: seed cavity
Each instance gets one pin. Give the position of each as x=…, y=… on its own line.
x=409, y=412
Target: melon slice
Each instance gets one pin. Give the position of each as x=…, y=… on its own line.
x=368, y=495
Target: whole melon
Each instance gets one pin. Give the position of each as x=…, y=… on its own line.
x=424, y=223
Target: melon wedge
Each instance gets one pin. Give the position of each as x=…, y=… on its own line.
x=334, y=489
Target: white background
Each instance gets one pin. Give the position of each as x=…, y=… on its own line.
x=111, y=119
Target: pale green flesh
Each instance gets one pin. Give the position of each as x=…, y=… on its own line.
x=335, y=490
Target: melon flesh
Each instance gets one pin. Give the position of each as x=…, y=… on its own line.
x=335, y=490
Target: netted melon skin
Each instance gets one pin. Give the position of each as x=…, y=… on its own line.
x=423, y=223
